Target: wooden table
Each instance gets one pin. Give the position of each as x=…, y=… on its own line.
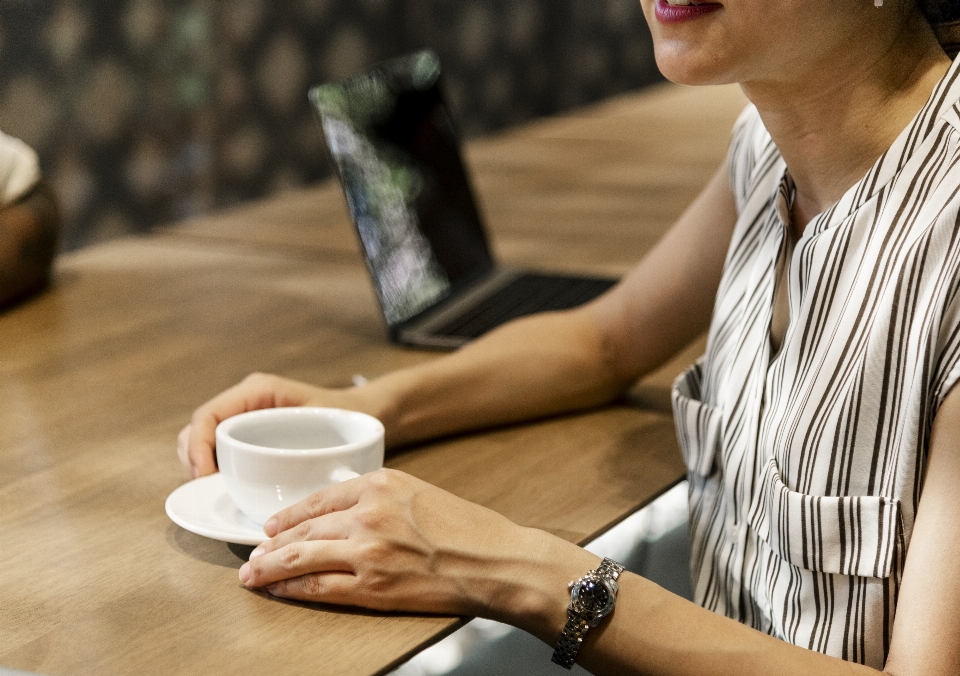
x=98, y=374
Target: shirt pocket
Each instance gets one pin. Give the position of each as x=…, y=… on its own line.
x=841, y=535
x=699, y=425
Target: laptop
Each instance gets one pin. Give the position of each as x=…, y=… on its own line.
x=396, y=152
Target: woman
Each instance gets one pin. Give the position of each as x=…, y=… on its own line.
x=820, y=429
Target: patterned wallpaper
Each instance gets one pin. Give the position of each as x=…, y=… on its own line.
x=146, y=111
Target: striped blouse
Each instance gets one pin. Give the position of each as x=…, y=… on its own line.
x=806, y=465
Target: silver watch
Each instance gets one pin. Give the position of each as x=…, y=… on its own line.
x=591, y=599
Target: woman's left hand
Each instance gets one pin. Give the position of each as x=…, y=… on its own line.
x=389, y=541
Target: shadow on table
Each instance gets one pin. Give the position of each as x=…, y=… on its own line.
x=218, y=553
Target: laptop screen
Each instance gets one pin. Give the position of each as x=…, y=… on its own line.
x=397, y=153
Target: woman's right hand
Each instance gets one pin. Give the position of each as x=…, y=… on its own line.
x=196, y=442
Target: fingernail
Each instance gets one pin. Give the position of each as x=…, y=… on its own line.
x=270, y=527
x=255, y=553
x=245, y=573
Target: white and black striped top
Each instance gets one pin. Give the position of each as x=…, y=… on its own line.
x=806, y=466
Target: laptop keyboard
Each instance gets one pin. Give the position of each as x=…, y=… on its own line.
x=527, y=294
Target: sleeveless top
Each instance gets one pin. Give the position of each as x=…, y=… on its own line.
x=806, y=466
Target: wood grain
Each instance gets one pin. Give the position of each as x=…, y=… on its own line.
x=98, y=375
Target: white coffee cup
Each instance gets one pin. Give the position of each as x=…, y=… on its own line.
x=274, y=457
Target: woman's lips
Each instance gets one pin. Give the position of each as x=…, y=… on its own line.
x=667, y=13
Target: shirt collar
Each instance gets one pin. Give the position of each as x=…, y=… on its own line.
x=930, y=118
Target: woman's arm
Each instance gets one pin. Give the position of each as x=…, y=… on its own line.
x=29, y=231
x=926, y=633
x=531, y=367
x=392, y=542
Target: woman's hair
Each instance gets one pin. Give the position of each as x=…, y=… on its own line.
x=944, y=17
x=940, y=11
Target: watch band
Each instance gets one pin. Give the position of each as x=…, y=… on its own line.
x=571, y=638
x=609, y=569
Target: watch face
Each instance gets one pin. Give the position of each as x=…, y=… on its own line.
x=593, y=597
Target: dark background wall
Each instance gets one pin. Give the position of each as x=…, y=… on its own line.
x=147, y=111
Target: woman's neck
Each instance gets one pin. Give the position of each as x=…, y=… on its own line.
x=832, y=124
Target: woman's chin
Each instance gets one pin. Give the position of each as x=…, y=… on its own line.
x=686, y=66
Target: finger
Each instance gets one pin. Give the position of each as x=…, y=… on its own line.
x=336, y=588
x=335, y=498
x=296, y=559
x=183, y=445
x=254, y=392
x=333, y=526
x=201, y=456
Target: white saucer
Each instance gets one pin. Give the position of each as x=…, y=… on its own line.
x=202, y=506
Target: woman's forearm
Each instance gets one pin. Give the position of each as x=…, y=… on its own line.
x=529, y=368
x=651, y=631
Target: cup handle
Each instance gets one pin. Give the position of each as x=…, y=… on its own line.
x=343, y=474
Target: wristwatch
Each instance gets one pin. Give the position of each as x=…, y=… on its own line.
x=591, y=599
